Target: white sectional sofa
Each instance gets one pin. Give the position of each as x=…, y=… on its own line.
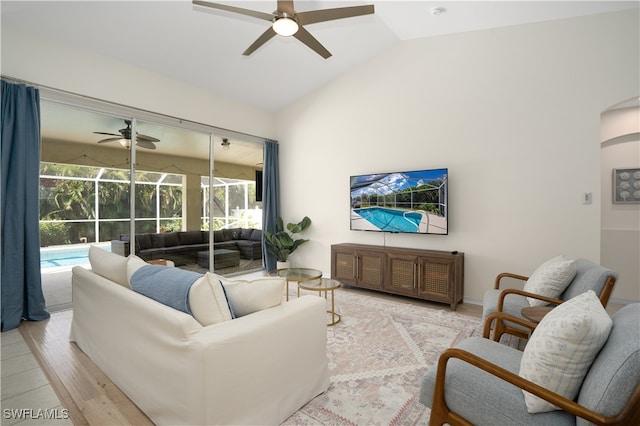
x=256, y=369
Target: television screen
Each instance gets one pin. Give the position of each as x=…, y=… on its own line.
x=412, y=202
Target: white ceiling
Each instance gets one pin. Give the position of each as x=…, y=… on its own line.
x=203, y=47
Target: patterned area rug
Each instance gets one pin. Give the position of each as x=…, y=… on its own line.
x=378, y=354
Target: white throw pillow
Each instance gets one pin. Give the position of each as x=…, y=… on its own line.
x=563, y=347
x=109, y=265
x=133, y=264
x=550, y=279
x=247, y=297
x=208, y=302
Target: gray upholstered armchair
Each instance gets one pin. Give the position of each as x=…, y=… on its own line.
x=478, y=382
x=510, y=301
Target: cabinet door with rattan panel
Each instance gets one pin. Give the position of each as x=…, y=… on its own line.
x=401, y=274
x=343, y=266
x=360, y=268
x=437, y=280
x=370, y=268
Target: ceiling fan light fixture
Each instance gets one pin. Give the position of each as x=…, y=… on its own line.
x=125, y=142
x=285, y=25
x=226, y=145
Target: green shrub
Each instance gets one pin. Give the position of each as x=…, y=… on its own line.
x=54, y=234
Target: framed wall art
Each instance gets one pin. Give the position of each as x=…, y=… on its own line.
x=626, y=186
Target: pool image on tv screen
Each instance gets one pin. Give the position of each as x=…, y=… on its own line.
x=407, y=202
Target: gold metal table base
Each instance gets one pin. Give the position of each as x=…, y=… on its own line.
x=325, y=285
x=297, y=274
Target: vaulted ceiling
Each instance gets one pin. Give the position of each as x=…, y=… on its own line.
x=203, y=47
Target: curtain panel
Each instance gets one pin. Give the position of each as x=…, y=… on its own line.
x=22, y=296
x=271, y=198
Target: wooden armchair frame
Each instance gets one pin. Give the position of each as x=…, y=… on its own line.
x=501, y=327
x=441, y=414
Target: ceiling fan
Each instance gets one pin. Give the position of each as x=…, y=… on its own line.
x=143, y=141
x=286, y=22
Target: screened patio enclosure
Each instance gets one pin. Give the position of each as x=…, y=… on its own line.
x=84, y=204
x=87, y=195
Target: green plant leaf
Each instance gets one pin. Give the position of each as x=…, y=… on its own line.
x=280, y=243
x=294, y=228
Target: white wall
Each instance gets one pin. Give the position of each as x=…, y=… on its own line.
x=50, y=64
x=620, y=245
x=514, y=113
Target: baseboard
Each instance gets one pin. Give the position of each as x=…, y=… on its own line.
x=472, y=300
x=619, y=301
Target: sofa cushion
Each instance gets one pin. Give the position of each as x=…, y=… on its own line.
x=228, y=245
x=157, y=240
x=562, y=348
x=466, y=388
x=550, y=279
x=615, y=373
x=190, y=237
x=219, y=236
x=232, y=233
x=513, y=305
x=589, y=276
x=152, y=253
x=205, y=237
x=109, y=265
x=245, y=234
x=256, y=235
x=143, y=241
x=171, y=239
x=208, y=301
x=133, y=264
x=246, y=297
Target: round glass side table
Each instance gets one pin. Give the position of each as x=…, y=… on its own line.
x=297, y=274
x=325, y=285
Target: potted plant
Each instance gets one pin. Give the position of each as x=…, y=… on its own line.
x=281, y=243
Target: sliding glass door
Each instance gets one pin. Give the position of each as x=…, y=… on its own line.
x=96, y=166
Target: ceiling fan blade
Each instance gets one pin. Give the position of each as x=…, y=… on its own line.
x=145, y=144
x=105, y=133
x=146, y=138
x=286, y=6
x=110, y=140
x=233, y=9
x=266, y=36
x=314, y=16
x=306, y=37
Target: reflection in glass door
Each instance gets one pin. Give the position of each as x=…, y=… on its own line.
x=84, y=192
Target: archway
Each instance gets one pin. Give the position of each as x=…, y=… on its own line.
x=620, y=202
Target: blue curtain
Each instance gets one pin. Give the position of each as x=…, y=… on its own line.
x=22, y=296
x=270, y=198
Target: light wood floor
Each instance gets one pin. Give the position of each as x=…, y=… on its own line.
x=87, y=393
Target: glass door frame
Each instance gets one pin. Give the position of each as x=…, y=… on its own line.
x=95, y=105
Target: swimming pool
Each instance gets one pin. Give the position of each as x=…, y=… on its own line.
x=391, y=220
x=70, y=255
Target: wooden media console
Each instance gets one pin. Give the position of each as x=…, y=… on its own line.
x=432, y=275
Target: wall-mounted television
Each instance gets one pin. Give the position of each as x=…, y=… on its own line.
x=400, y=202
